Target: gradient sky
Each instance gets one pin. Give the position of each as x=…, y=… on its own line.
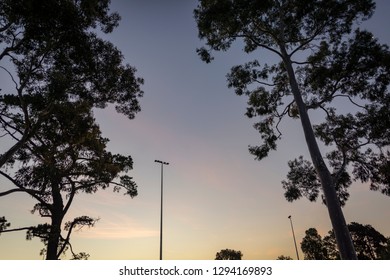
x=216, y=195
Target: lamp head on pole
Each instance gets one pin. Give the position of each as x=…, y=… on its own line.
x=162, y=162
x=289, y=217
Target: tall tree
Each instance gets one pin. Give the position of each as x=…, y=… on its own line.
x=61, y=70
x=228, y=254
x=322, y=59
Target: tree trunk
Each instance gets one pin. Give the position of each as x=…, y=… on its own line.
x=57, y=214
x=54, y=238
x=343, y=238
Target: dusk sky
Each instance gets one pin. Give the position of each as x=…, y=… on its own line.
x=216, y=195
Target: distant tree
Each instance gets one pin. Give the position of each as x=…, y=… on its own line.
x=228, y=254
x=323, y=59
x=282, y=257
x=313, y=247
x=369, y=244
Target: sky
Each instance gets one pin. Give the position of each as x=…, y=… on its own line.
x=216, y=195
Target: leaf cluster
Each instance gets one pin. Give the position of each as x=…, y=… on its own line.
x=58, y=57
x=284, y=258
x=69, y=151
x=228, y=254
x=43, y=231
x=271, y=23
x=368, y=242
x=313, y=246
x=3, y=224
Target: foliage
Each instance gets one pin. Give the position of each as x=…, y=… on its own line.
x=385, y=255
x=313, y=247
x=55, y=54
x=66, y=156
x=3, y=224
x=327, y=72
x=228, y=254
x=369, y=244
x=324, y=59
x=62, y=71
x=283, y=257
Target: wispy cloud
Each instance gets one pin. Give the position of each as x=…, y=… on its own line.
x=114, y=220
x=122, y=227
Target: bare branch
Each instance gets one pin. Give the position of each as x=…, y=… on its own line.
x=12, y=77
x=350, y=99
x=5, y=27
x=17, y=229
x=299, y=63
x=264, y=83
x=326, y=111
x=266, y=47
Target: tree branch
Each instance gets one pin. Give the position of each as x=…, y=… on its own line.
x=11, y=191
x=309, y=39
x=264, y=83
x=33, y=193
x=248, y=36
x=299, y=63
x=16, y=183
x=16, y=229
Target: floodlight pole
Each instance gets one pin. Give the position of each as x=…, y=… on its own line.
x=295, y=242
x=161, y=210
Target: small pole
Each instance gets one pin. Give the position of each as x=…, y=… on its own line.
x=295, y=242
x=161, y=209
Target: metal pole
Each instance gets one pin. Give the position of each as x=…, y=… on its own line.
x=295, y=242
x=161, y=209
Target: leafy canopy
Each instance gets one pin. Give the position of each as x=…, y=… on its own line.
x=335, y=63
x=55, y=54
x=228, y=254
x=369, y=244
x=65, y=157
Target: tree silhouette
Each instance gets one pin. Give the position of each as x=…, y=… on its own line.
x=323, y=59
x=285, y=258
x=369, y=244
x=67, y=156
x=53, y=50
x=385, y=255
x=63, y=70
x=313, y=246
x=228, y=254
